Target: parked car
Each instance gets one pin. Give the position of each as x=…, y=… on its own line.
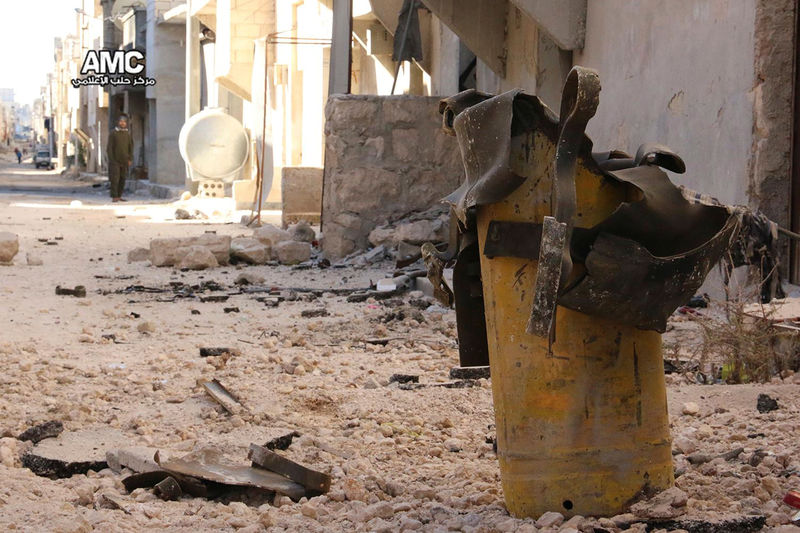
x=42, y=159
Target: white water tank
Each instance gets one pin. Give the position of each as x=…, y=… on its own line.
x=214, y=146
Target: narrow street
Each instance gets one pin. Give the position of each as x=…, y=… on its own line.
x=121, y=368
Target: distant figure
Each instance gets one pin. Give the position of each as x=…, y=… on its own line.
x=120, y=156
x=19, y=155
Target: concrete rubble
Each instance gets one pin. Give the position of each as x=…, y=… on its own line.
x=9, y=246
x=250, y=250
x=353, y=383
x=171, y=251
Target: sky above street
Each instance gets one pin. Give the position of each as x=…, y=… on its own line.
x=27, y=30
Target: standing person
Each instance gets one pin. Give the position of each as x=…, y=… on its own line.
x=119, y=151
x=19, y=156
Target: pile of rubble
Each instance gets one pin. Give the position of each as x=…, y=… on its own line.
x=401, y=239
x=267, y=244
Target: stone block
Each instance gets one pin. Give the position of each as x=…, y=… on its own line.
x=250, y=250
x=171, y=251
x=271, y=235
x=413, y=145
x=292, y=252
x=198, y=258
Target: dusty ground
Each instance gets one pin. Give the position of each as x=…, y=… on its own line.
x=389, y=450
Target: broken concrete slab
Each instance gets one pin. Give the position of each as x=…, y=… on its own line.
x=250, y=250
x=292, y=252
x=170, y=251
x=313, y=480
x=39, y=432
x=73, y=452
x=198, y=258
x=208, y=465
x=137, y=458
x=9, y=246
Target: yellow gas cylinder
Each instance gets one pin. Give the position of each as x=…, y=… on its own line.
x=582, y=425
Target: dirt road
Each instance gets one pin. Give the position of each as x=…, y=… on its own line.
x=126, y=363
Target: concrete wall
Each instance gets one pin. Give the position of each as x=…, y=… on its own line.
x=166, y=62
x=771, y=164
x=681, y=76
x=385, y=156
x=301, y=195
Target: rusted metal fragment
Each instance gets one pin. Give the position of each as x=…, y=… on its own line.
x=281, y=442
x=435, y=269
x=209, y=469
x=483, y=125
x=223, y=396
x=473, y=346
x=457, y=384
x=676, y=240
x=518, y=239
x=312, y=480
x=403, y=378
x=739, y=524
x=79, y=291
x=625, y=281
x=470, y=372
x=548, y=277
x=215, y=352
x=168, y=489
x=189, y=485
x=578, y=105
x=39, y=432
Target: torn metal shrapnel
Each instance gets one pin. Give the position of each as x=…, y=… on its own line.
x=639, y=264
x=208, y=466
x=312, y=480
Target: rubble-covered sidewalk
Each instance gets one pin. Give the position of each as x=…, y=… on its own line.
x=358, y=388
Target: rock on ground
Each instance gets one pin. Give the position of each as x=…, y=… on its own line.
x=302, y=232
x=9, y=246
x=138, y=254
x=198, y=258
x=292, y=252
x=271, y=235
x=250, y=250
x=171, y=251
